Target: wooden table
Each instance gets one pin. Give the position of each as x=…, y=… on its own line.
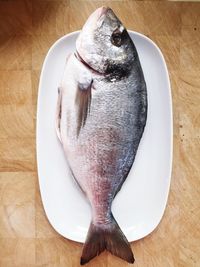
x=27, y=30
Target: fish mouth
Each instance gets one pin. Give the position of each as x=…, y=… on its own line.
x=78, y=56
x=103, y=10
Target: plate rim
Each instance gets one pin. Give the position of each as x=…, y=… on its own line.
x=168, y=84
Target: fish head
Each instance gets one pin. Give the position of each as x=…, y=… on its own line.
x=104, y=43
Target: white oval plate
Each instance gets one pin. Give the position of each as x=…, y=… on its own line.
x=140, y=204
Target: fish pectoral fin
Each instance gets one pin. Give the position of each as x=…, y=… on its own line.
x=109, y=237
x=58, y=114
x=83, y=101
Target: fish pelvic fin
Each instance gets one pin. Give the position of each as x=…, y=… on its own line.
x=106, y=237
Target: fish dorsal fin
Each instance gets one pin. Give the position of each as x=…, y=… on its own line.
x=83, y=101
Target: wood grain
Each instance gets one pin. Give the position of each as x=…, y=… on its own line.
x=15, y=52
x=27, y=30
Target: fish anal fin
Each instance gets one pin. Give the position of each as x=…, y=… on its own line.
x=58, y=114
x=106, y=237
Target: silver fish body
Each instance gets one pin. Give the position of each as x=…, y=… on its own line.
x=101, y=115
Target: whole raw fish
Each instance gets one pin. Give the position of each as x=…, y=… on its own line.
x=101, y=115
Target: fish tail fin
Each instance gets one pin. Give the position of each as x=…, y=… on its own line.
x=106, y=237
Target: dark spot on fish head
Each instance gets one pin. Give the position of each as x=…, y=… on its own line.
x=115, y=72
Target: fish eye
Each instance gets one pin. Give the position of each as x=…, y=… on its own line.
x=116, y=38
